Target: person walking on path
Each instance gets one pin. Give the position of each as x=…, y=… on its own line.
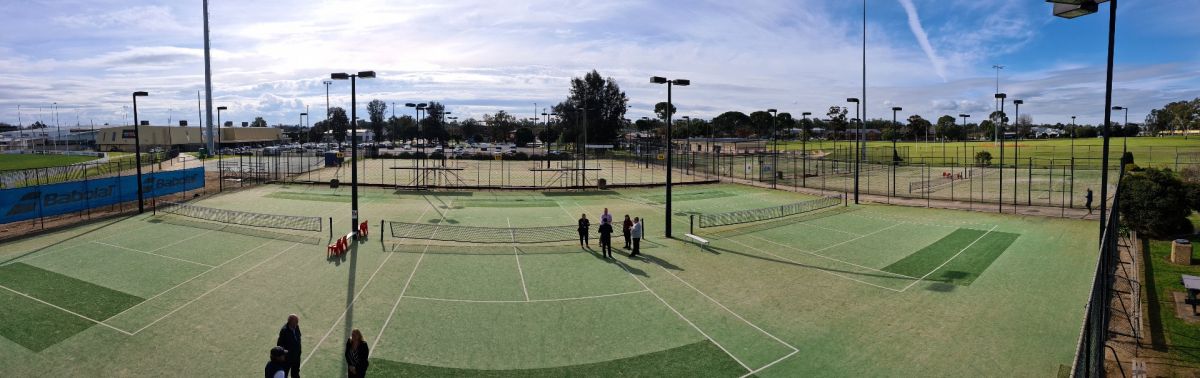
x=584, y=225
x=277, y=366
x=606, y=231
x=289, y=339
x=636, y=235
x=625, y=226
x=1089, y=201
x=357, y=355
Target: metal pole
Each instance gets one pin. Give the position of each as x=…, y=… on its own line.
x=667, y=227
x=862, y=139
x=1000, y=139
x=353, y=157
x=1112, y=30
x=137, y=151
x=208, y=83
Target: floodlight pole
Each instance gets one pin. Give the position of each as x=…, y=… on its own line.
x=1000, y=139
x=857, y=140
x=353, y=142
x=669, y=83
x=137, y=151
x=894, y=153
x=1016, y=146
x=212, y=144
x=803, y=149
x=1124, y=137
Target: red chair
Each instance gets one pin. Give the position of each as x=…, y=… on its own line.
x=363, y=228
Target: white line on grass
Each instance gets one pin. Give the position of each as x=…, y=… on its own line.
x=951, y=258
x=193, y=278
x=858, y=238
x=80, y=244
x=817, y=268
x=217, y=287
x=528, y=301
x=519, y=270
x=685, y=319
x=809, y=224
x=379, y=337
x=727, y=309
x=830, y=258
x=360, y=291
x=182, y=240
x=755, y=371
x=68, y=311
x=153, y=254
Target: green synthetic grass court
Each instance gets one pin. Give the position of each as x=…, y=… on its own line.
x=1148, y=151
x=22, y=161
x=848, y=291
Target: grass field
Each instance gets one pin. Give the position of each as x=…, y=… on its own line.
x=24, y=161
x=1148, y=151
x=866, y=290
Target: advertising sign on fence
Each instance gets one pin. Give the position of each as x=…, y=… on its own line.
x=62, y=198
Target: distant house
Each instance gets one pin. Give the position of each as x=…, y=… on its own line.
x=1046, y=132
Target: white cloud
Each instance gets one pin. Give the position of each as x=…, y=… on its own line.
x=914, y=24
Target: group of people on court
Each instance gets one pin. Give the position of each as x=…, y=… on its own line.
x=285, y=356
x=631, y=229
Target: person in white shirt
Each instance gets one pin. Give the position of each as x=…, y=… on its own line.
x=636, y=235
x=606, y=217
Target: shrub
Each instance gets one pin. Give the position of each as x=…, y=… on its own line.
x=983, y=158
x=1156, y=203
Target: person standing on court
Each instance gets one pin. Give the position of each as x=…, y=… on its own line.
x=1089, y=201
x=606, y=217
x=584, y=225
x=625, y=226
x=289, y=339
x=606, y=231
x=357, y=355
x=277, y=366
x=636, y=235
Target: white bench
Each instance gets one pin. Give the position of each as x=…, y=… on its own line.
x=699, y=240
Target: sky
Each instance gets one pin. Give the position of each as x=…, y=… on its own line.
x=269, y=57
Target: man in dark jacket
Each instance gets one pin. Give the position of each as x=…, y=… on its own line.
x=289, y=339
x=606, y=230
x=584, y=225
x=277, y=366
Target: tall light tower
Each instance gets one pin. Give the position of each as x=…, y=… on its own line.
x=669, y=83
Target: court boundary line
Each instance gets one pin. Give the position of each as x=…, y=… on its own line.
x=411, y=274
x=951, y=258
x=685, y=319
x=152, y=254
x=80, y=244
x=520, y=271
x=813, y=267
x=756, y=327
x=357, y=295
x=860, y=237
x=193, y=278
x=898, y=275
x=528, y=301
x=239, y=275
x=68, y=311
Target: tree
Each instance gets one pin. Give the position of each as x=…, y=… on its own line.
x=375, y=112
x=259, y=122
x=1155, y=203
x=661, y=110
x=918, y=128
x=597, y=102
x=837, y=120
x=1178, y=115
x=785, y=123
x=761, y=123
x=338, y=123
x=500, y=125
x=524, y=137
x=946, y=127
x=987, y=128
x=7, y=127
x=983, y=158
x=470, y=128
x=1024, y=125
x=548, y=135
x=732, y=123
x=37, y=125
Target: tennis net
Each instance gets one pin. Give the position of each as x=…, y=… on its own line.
x=244, y=218
x=754, y=215
x=469, y=234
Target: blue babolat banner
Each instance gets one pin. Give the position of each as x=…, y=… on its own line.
x=68, y=197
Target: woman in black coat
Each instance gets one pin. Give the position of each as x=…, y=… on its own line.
x=357, y=355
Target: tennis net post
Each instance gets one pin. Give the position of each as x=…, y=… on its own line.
x=692, y=224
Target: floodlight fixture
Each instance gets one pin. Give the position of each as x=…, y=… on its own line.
x=339, y=76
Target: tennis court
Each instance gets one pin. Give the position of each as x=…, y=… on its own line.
x=804, y=286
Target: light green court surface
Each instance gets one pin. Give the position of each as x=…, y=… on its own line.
x=859, y=290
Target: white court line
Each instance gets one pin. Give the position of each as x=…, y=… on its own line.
x=68, y=311
x=182, y=240
x=819, y=269
x=951, y=258
x=685, y=319
x=193, y=278
x=356, y=296
x=388, y=320
x=80, y=244
x=858, y=238
x=727, y=309
x=752, y=372
x=527, y=301
x=830, y=258
x=809, y=224
x=153, y=254
x=215, y=288
x=519, y=270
